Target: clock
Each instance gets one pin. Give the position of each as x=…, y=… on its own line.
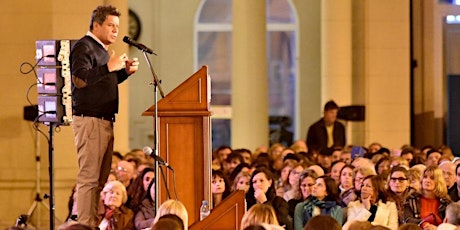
x=134, y=29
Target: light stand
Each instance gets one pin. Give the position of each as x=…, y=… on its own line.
x=157, y=86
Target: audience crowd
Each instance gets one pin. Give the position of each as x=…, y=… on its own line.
x=289, y=187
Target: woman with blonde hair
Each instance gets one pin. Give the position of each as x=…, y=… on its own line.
x=115, y=215
x=172, y=207
x=258, y=214
x=428, y=208
x=241, y=181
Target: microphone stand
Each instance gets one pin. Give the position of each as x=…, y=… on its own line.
x=157, y=86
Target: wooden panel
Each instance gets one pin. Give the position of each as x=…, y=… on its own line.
x=227, y=215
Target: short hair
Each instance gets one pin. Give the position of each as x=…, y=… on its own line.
x=237, y=178
x=172, y=207
x=115, y=184
x=319, y=223
x=100, y=14
x=453, y=213
x=332, y=189
x=257, y=214
x=330, y=105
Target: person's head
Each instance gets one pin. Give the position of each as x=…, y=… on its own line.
x=360, y=225
x=77, y=226
x=330, y=112
x=241, y=181
x=408, y=154
x=147, y=175
x=319, y=171
x=399, y=161
x=360, y=174
x=222, y=152
x=398, y=180
x=287, y=167
x=318, y=223
x=245, y=154
x=326, y=189
x=172, y=207
x=261, y=179
x=347, y=176
x=336, y=153
x=257, y=214
x=307, y=181
x=324, y=158
x=335, y=170
x=294, y=174
x=383, y=165
x=432, y=157
x=219, y=184
x=114, y=194
x=453, y=214
x=457, y=175
x=233, y=160
x=125, y=171
x=374, y=186
x=169, y=222
x=415, y=179
x=433, y=182
x=448, y=171
x=104, y=23
x=374, y=147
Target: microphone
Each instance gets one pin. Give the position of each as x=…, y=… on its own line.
x=138, y=45
x=148, y=151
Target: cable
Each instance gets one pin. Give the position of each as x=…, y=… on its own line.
x=174, y=183
x=164, y=181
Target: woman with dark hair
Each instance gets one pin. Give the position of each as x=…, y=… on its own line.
x=398, y=188
x=428, y=208
x=373, y=205
x=220, y=187
x=346, y=187
x=138, y=188
x=146, y=214
x=323, y=200
x=262, y=191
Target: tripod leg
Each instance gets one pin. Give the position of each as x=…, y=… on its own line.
x=32, y=208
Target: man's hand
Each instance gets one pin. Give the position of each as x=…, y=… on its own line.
x=116, y=62
x=131, y=66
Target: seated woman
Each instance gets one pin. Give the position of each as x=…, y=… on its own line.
x=306, y=181
x=293, y=183
x=260, y=214
x=398, y=188
x=323, y=200
x=116, y=216
x=172, y=207
x=138, y=189
x=262, y=191
x=220, y=188
x=428, y=208
x=373, y=205
x=241, y=182
x=146, y=214
x=346, y=186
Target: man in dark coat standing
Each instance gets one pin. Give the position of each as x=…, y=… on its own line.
x=327, y=132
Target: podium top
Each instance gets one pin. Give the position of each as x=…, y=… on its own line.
x=191, y=98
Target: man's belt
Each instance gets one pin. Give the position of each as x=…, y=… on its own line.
x=103, y=117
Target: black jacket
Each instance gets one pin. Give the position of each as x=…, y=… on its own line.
x=317, y=135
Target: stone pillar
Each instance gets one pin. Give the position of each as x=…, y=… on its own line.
x=249, y=75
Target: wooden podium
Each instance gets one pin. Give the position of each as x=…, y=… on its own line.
x=184, y=123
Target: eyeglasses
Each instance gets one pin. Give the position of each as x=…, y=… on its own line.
x=306, y=185
x=119, y=168
x=400, y=179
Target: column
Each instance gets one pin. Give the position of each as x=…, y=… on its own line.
x=249, y=75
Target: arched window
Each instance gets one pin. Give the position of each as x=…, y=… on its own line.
x=213, y=47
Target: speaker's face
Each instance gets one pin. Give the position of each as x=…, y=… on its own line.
x=330, y=116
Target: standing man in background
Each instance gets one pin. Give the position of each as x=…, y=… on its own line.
x=96, y=73
x=327, y=132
